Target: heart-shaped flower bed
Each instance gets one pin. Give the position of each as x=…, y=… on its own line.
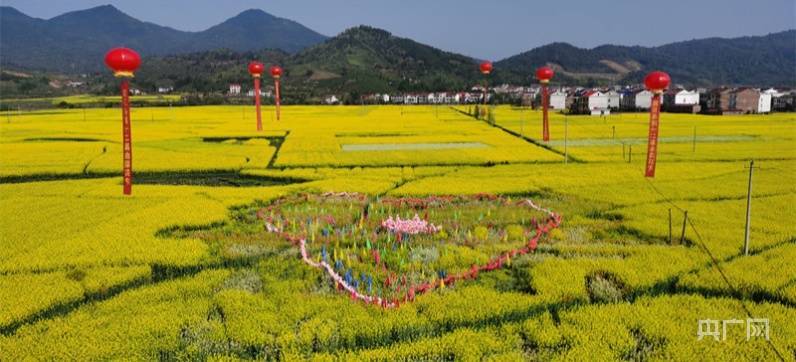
x=388, y=250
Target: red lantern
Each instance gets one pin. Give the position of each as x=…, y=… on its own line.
x=544, y=74
x=486, y=67
x=124, y=62
x=256, y=69
x=656, y=82
x=276, y=72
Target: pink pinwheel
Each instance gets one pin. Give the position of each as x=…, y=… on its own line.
x=412, y=226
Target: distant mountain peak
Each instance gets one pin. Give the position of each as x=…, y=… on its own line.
x=78, y=37
x=8, y=11
x=253, y=13
x=105, y=10
x=366, y=30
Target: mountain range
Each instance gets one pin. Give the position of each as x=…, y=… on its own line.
x=77, y=41
x=364, y=59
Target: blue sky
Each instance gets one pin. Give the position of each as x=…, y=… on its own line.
x=482, y=29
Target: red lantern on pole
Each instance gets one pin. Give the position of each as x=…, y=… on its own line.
x=276, y=72
x=544, y=74
x=486, y=69
x=656, y=82
x=256, y=69
x=123, y=62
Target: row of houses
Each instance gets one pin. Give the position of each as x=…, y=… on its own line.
x=600, y=101
x=714, y=101
x=418, y=98
x=235, y=90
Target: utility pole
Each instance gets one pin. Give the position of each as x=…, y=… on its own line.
x=566, y=151
x=613, y=132
x=629, y=153
x=748, y=209
x=693, y=143
x=685, y=221
x=670, y=226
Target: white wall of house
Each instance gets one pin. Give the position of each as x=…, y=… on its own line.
x=558, y=100
x=644, y=99
x=686, y=98
x=613, y=99
x=598, y=100
x=764, y=103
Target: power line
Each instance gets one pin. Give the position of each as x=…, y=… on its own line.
x=715, y=263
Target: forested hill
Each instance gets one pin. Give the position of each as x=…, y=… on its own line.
x=768, y=60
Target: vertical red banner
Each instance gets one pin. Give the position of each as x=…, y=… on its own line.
x=545, y=122
x=127, y=149
x=652, y=142
x=278, y=102
x=257, y=102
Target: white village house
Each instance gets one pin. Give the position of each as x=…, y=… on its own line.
x=597, y=100
x=558, y=100
x=263, y=93
x=644, y=99
x=764, y=102
x=613, y=99
x=686, y=98
x=234, y=89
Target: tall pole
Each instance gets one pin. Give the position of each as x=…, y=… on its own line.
x=278, y=102
x=652, y=142
x=748, y=209
x=256, y=70
x=485, y=111
x=656, y=82
x=544, y=74
x=124, y=62
x=566, y=151
x=257, y=102
x=127, y=163
x=276, y=72
x=545, y=123
x=486, y=69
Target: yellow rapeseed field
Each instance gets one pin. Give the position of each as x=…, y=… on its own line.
x=87, y=273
